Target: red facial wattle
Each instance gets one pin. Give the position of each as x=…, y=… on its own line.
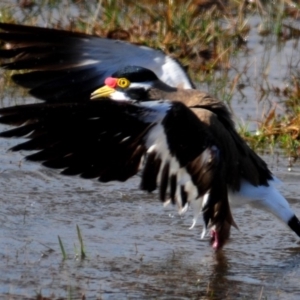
x=111, y=82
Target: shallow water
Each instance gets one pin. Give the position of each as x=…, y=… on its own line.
x=136, y=249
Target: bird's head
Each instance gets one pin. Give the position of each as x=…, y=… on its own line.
x=130, y=83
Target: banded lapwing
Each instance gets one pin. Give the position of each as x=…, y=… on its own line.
x=183, y=141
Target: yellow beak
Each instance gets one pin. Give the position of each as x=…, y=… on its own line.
x=104, y=91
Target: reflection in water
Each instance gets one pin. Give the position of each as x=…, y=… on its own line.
x=218, y=284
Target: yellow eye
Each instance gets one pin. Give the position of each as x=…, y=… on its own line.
x=123, y=83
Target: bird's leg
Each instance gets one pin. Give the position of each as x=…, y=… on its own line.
x=214, y=239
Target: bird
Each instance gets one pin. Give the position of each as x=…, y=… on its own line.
x=248, y=178
x=112, y=109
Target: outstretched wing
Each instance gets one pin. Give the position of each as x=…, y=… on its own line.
x=64, y=65
x=112, y=140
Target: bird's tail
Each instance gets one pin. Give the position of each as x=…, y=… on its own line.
x=269, y=199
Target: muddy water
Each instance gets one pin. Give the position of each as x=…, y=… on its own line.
x=135, y=248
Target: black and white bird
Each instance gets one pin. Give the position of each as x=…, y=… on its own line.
x=183, y=140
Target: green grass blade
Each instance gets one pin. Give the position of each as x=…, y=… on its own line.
x=82, y=250
x=62, y=248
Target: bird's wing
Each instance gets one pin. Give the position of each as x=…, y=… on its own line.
x=63, y=65
x=111, y=140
